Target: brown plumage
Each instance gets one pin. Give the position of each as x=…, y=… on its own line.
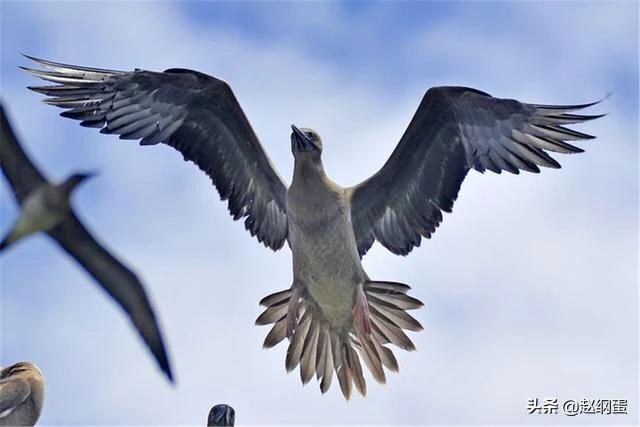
x=21, y=394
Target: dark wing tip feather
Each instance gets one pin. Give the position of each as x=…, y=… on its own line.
x=568, y=118
x=166, y=368
x=52, y=64
x=573, y=107
x=35, y=59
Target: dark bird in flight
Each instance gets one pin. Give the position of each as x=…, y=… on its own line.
x=21, y=394
x=221, y=415
x=46, y=207
x=333, y=311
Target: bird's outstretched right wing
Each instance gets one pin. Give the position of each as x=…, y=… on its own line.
x=192, y=112
x=119, y=282
x=21, y=173
x=454, y=130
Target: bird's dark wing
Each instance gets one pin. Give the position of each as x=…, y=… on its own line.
x=119, y=282
x=13, y=391
x=192, y=112
x=22, y=175
x=455, y=129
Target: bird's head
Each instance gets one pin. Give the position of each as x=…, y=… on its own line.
x=305, y=142
x=221, y=415
x=19, y=367
x=74, y=180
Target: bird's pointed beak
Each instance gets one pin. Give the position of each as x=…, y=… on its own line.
x=303, y=143
x=90, y=174
x=297, y=132
x=78, y=178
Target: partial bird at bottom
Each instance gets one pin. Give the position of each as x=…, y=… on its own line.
x=221, y=415
x=21, y=394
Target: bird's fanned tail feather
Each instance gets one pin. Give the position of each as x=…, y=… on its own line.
x=322, y=351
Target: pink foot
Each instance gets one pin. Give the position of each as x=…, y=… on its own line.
x=361, y=311
x=292, y=311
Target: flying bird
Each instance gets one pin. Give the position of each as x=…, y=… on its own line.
x=46, y=207
x=221, y=415
x=334, y=314
x=21, y=394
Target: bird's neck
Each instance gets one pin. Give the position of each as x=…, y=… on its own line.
x=308, y=171
x=312, y=198
x=68, y=186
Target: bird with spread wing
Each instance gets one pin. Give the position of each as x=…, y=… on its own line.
x=46, y=207
x=334, y=315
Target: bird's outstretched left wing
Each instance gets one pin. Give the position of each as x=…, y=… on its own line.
x=22, y=174
x=119, y=282
x=192, y=112
x=455, y=129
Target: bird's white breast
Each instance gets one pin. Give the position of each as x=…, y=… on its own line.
x=39, y=213
x=325, y=257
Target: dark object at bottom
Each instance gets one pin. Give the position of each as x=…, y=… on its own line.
x=221, y=415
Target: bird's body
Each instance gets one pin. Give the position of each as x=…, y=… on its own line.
x=324, y=253
x=21, y=394
x=43, y=210
x=332, y=309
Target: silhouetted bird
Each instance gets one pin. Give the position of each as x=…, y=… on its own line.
x=21, y=394
x=221, y=415
x=333, y=308
x=46, y=207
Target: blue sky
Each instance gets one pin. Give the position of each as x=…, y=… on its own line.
x=530, y=285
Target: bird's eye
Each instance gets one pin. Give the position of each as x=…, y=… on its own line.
x=313, y=137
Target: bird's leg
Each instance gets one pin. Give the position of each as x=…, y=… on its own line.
x=361, y=311
x=292, y=311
